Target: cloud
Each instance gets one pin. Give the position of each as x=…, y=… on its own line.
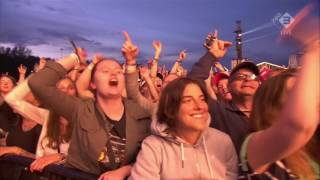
x=97, y=25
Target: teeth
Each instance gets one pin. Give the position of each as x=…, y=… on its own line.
x=197, y=115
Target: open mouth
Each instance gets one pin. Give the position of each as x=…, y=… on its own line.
x=113, y=82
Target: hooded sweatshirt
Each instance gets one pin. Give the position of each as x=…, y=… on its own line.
x=164, y=156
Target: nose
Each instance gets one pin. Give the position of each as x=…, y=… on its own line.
x=197, y=104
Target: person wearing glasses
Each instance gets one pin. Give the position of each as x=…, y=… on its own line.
x=232, y=116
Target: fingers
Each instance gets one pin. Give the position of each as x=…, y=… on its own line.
x=35, y=165
x=157, y=43
x=126, y=36
x=220, y=44
x=215, y=34
x=39, y=164
x=227, y=43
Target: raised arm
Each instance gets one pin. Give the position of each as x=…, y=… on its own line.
x=200, y=70
x=145, y=73
x=154, y=65
x=297, y=121
x=15, y=99
x=22, y=73
x=130, y=53
x=74, y=72
x=210, y=91
x=83, y=81
x=43, y=85
x=177, y=64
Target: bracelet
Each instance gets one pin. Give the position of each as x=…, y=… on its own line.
x=74, y=56
x=156, y=59
x=130, y=68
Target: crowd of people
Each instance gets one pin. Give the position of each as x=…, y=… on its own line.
x=134, y=121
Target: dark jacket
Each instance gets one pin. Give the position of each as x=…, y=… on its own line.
x=225, y=117
x=88, y=137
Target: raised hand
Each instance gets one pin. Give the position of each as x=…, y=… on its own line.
x=129, y=50
x=218, y=47
x=144, y=72
x=22, y=69
x=97, y=58
x=182, y=56
x=158, y=48
x=180, y=71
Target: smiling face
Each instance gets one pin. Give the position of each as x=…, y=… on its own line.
x=108, y=79
x=193, y=111
x=243, y=83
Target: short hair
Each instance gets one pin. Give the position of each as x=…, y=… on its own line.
x=170, y=100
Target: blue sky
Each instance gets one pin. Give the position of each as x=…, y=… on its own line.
x=44, y=26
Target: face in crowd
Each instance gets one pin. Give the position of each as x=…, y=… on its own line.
x=223, y=89
x=243, y=83
x=108, y=79
x=193, y=110
x=67, y=86
x=183, y=106
x=7, y=83
x=158, y=84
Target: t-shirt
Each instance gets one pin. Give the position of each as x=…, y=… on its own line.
x=26, y=140
x=114, y=151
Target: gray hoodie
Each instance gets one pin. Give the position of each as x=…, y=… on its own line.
x=164, y=156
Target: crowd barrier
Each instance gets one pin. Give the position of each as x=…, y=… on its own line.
x=17, y=168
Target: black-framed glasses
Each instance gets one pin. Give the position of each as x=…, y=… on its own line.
x=242, y=77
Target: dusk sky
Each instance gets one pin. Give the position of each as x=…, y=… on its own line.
x=45, y=26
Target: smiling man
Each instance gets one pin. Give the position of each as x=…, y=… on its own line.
x=231, y=117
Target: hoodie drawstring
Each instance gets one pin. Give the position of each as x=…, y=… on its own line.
x=182, y=154
x=207, y=157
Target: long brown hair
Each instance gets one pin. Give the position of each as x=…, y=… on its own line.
x=268, y=101
x=53, y=131
x=53, y=127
